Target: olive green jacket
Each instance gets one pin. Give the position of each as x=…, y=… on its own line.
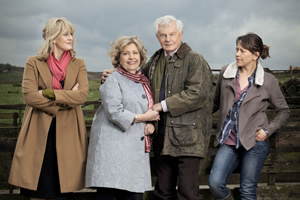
x=188, y=95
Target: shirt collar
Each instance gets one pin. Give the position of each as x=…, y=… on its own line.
x=172, y=53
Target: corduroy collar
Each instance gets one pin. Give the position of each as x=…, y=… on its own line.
x=181, y=52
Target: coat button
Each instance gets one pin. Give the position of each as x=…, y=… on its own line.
x=172, y=121
x=144, y=96
x=194, y=124
x=142, y=138
x=169, y=92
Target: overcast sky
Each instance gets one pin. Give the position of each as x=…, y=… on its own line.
x=210, y=27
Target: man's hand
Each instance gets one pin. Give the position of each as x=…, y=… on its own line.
x=157, y=107
x=105, y=74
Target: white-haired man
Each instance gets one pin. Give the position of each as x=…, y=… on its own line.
x=181, y=83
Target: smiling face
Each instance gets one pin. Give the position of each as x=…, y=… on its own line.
x=130, y=58
x=244, y=57
x=169, y=37
x=64, y=42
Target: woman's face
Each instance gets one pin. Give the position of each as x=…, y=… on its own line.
x=64, y=42
x=244, y=57
x=130, y=58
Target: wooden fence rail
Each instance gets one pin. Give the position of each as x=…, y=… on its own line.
x=280, y=177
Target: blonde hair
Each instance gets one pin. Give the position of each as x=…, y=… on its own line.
x=53, y=29
x=118, y=45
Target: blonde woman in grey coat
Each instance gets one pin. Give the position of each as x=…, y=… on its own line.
x=118, y=162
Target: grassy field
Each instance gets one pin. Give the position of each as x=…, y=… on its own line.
x=11, y=93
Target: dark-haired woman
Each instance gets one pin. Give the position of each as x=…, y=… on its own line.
x=242, y=95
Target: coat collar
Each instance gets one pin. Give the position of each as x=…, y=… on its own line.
x=46, y=75
x=181, y=52
x=230, y=72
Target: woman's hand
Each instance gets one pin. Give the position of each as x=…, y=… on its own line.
x=152, y=115
x=75, y=87
x=261, y=135
x=149, y=129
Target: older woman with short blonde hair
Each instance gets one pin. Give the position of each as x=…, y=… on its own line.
x=118, y=156
x=123, y=41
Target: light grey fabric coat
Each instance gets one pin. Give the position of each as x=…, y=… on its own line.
x=116, y=154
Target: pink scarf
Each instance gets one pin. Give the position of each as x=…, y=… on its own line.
x=58, y=69
x=141, y=78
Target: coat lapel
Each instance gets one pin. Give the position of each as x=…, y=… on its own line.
x=71, y=75
x=232, y=85
x=252, y=93
x=45, y=73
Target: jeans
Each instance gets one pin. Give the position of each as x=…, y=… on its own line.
x=228, y=159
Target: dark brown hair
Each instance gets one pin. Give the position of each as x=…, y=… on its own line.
x=254, y=43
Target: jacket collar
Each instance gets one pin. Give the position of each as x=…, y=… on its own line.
x=183, y=50
x=230, y=72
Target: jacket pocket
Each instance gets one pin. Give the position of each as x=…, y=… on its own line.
x=182, y=131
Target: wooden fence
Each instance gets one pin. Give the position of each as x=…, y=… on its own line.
x=280, y=177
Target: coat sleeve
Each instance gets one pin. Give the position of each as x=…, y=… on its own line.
x=75, y=98
x=197, y=92
x=30, y=90
x=111, y=96
x=280, y=106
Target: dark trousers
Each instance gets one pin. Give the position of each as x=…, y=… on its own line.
x=115, y=194
x=170, y=168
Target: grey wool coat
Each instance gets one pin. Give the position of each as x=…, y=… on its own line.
x=116, y=153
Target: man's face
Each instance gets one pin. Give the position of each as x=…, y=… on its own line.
x=169, y=37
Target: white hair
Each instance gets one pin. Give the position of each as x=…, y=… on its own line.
x=165, y=20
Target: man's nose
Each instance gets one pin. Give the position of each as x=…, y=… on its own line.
x=167, y=37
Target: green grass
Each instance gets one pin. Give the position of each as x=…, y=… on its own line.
x=11, y=77
x=94, y=90
x=12, y=93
